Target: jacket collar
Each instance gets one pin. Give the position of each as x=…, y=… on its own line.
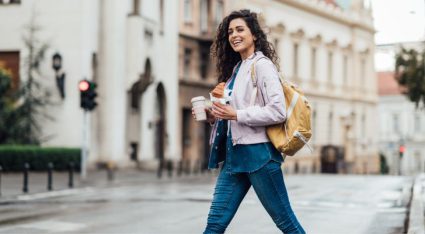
x=254, y=55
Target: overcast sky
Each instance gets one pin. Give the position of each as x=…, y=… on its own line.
x=398, y=20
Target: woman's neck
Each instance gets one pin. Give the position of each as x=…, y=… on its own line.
x=246, y=53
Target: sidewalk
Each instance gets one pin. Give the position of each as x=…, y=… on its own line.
x=11, y=187
x=417, y=208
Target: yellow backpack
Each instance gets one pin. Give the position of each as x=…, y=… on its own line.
x=290, y=136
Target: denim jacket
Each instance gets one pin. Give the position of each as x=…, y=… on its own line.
x=268, y=109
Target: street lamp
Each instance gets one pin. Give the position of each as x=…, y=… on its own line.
x=57, y=61
x=347, y=122
x=59, y=74
x=401, y=152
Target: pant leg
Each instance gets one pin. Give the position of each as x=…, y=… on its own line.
x=229, y=192
x=270, y=188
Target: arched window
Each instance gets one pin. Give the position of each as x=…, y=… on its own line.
x=187, y=11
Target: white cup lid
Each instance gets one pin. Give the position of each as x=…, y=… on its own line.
x=199, y=98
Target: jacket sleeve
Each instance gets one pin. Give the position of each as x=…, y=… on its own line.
x=269, y=88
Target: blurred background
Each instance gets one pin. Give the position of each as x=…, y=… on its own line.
x=107, y=83
x=147, y=59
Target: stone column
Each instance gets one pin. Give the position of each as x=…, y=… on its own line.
x=111, y=83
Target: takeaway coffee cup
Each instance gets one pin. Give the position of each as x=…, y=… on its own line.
x=198, y=104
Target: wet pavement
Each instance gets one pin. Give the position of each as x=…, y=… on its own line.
x=140, y=203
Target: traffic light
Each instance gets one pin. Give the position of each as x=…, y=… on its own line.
x=87, y=94
x=401, y=150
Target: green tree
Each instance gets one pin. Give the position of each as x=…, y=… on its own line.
x=6, y=104
x=410, y=74
x=21, y=111
x=33, y=94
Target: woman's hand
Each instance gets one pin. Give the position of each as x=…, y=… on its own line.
x=210, y=116
x=224, y=111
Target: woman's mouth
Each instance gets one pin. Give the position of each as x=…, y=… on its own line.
x=236, y=43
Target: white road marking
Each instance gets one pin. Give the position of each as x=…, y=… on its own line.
x=54, y=226
x=53, y=194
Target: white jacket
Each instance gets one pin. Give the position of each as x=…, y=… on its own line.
x=269, y=107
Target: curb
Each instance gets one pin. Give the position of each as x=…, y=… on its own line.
x=85, y=186
x=416, y=214
x=36, y=196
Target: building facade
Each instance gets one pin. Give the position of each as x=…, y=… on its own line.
x=149, y=58
x=327, y=48
x=129, y=48
x=198, y=22
x=402, y=125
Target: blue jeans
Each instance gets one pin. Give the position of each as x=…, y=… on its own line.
x=270, y=188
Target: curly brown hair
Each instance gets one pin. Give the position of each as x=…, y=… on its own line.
x=224, y=54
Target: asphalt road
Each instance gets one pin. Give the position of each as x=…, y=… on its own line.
x=323, y=203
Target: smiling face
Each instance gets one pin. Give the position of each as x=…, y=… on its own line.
x=241, y=38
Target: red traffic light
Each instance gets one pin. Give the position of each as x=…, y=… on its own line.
x=402, y=149
x=84, y=85
x=87, y=94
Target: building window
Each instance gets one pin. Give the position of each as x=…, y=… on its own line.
x=204, y=54
x=186, y=127
x=345, y=70
x=396, y=127
x=94, y=66
x=204, y=16
x=330, y=65
x=417, y=123
x=219, y=12
x=188, y=11
x=313, y=62
x=295, y=60
x=418, y=161
x=149, y=36
x=314, y=117
x=330, y=121
x=363, y=71
x=363, y=125
x=187, y=58
x=10, y=61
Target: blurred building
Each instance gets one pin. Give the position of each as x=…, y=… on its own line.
x=402, y=125
x=198, y=21
x=327, y=47
x=150, y=58
x=129, y=48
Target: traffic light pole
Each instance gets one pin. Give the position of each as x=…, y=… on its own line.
x=84, y=148
x=87, y=103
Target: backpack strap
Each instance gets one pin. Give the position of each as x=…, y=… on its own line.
x=254, y=82
x=292, y=104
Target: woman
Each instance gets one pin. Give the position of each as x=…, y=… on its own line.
x=239, y=136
